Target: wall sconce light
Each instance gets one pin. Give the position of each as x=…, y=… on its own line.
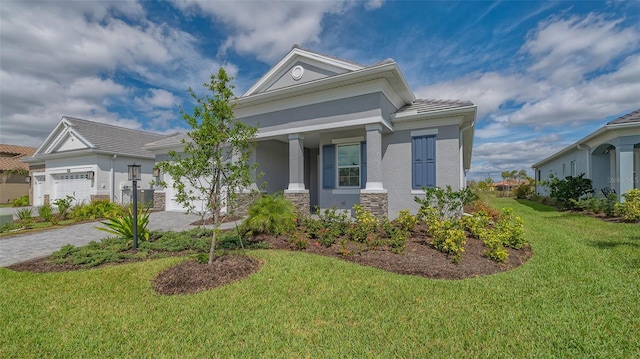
x=156, y=172
x=91, y=175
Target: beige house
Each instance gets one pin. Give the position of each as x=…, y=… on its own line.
x=14, y=175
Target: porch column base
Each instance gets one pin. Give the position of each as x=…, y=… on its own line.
x=242, y=202
x=159, y=201
x=375, y=201
x=300, y=200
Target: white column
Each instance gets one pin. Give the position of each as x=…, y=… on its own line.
x=374, y=160
x=624, y=169
x=296, y=164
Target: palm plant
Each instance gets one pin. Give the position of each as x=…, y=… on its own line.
x=122, y=226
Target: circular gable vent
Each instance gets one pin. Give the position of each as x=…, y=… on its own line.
x=297, y=72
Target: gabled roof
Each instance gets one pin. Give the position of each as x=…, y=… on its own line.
x=10, y=156
x=628, y=118
x=330, y=63
x=96, y=137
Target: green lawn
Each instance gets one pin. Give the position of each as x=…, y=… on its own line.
x=579, y=296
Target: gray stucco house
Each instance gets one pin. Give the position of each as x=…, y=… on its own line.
x=89, y=161
x=610, y=157
x=336, y=133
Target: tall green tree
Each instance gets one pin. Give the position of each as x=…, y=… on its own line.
x=214, y=165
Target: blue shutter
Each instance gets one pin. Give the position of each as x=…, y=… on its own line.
x=328, y=166
x=423, y=154
x=430, y=161
x=363, y=164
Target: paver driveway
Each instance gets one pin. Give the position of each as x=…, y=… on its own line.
x=22, y=247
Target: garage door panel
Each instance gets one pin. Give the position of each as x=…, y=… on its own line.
x=73, y=184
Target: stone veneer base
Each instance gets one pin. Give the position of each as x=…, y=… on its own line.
x=301, y=201
x=376, y=203
x=159, y=201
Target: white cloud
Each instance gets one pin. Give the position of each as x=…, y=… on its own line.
x=64, y=58
x=495, y=157
x=268, y=29
x=373, y=4
x=157, y=98
x=567, y=49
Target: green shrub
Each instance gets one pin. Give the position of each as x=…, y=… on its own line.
x=270, y=214
x=526, y=190
x=298, y=240
x=366, y=226
x=313, y=226
x=197, y=239
x=447, y=203
x=564, y=190
x=96, y=210
x=25, y=216
x=122, y=226
x=9, y=227
x=448, y=238
x=629, y=210
x=21, y=201
x=46, y=212
x=337, y=221
x=91, y=255
x=406, y=220
x=511, y=229
x=495, y=249
x=395, y=235
x=64, y=205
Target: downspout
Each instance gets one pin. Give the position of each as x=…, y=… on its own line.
x=112, y=180
x=463, y=178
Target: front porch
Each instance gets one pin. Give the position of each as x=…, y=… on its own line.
x=338, y=168
x=616, y=164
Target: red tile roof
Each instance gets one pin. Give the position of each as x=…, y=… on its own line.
x=10, y=156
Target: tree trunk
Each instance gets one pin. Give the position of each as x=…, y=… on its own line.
x=214, y=239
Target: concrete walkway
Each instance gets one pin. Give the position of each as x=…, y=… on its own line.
x=22, y=247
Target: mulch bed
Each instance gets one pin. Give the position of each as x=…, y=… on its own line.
x=419, y=259
x=191, y=276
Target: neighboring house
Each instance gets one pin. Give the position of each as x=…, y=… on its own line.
x=610, y=157
x=14, y=175
x=336, y=133
x=89, y=161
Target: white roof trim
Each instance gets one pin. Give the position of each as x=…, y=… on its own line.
x=590, y=137
x=389, y=71
x=290, y=58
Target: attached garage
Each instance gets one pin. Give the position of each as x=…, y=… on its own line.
x=73, y=184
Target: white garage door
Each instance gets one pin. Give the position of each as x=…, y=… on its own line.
x=73, y=184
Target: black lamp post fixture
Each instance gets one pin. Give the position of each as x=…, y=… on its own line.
x=134, y=176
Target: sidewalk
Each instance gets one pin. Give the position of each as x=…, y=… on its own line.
x=22, y=247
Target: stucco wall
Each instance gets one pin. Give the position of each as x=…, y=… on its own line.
x=555, y=167
x=357, y=107
x=273, y=160
x=396, y=164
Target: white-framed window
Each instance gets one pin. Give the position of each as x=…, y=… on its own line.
x=573, y=168
x=348, y=160
x=564, y=169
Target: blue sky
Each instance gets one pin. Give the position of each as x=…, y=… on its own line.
x=543, y=74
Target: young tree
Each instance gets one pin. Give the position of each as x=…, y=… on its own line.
x=215, y=160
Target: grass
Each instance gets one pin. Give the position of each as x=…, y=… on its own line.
x=577, y=297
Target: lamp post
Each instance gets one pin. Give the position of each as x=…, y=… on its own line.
x=134, y=176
